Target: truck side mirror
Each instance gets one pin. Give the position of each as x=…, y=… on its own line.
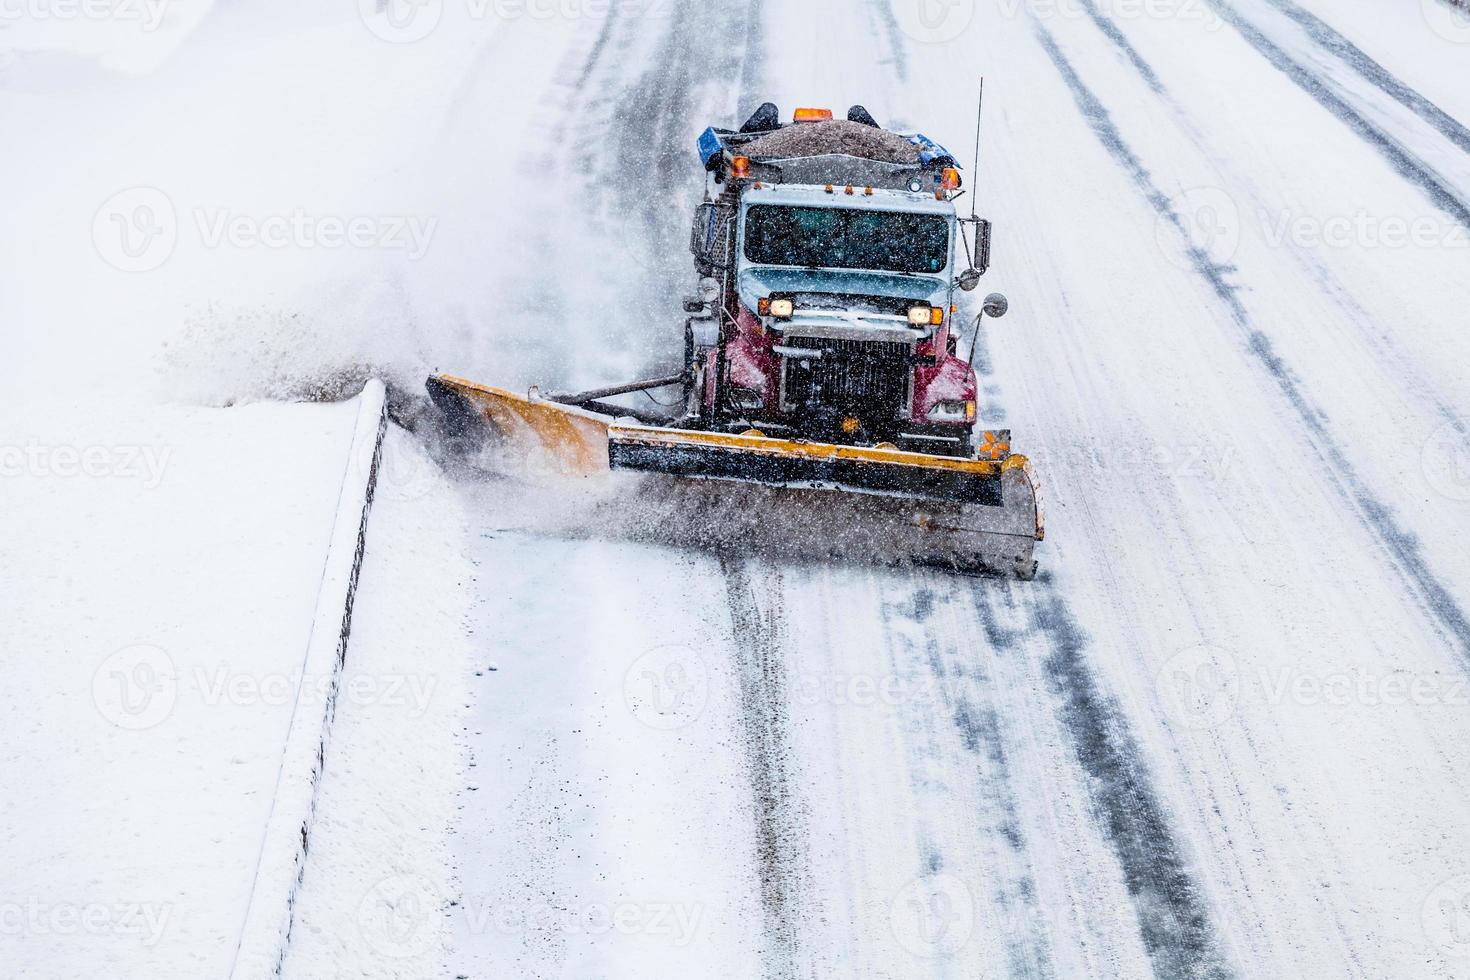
x=980, y=257
x=982, y=246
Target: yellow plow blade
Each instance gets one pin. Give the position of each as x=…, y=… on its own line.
x=967, y=512
x=568, y=440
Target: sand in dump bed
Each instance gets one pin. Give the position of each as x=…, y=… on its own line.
x=833, y=136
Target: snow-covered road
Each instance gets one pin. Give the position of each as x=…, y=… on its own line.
x=1223, y=734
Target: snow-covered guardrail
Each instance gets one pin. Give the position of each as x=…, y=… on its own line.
x=270, y=912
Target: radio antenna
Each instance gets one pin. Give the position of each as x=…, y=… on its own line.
x=975, y=174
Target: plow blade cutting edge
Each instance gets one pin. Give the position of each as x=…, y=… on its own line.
x=971, y=513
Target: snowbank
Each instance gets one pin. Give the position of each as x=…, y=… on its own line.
x=289, y=831
x=159, y=572
x=128, y=37
x=378, y=877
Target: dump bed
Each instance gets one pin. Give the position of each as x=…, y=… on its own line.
x=830, y=151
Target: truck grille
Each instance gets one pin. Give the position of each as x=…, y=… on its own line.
x=852, y=376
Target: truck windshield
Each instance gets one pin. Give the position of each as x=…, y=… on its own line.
x=845, y=238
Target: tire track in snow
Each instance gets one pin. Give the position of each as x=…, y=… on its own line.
x=781, y=835
x=882, y=12
x=594, y=56
x=519, y=288
x=1399, y=545
x=965, y=687
x=1407, y=164
x=1388, y=353
x=1115, y=34
x=1333, y=287
x=1173, y=915
x=631, y=119
x=656, y=121
x=1178, y=934
x=1381, y=78
x=651, y=169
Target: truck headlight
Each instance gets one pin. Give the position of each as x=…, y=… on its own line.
x=926, y=315
x=952, y=411
x=782, y=309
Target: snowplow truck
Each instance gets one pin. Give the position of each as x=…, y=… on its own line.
x=821, y=350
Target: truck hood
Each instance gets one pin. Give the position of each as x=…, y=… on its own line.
x=758, y=282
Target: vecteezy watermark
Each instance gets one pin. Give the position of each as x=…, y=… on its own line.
x=408, y=233
x=1205, y=462
x=140, y=686
x=138, y=229
x=1446, y=916
x=1212, y=224
x=64, y=462
x=136, y=687
x=1200, y=686
x=221, y=685
x=147, y=15
x=1204, y=687
x=401, y=21
x=33, y=917
x=1209, y=221
x=667, y=687
x=934, y=21
x=407, y=21
x=933, y=916
x=1123, y=11
x=676, y=922
x=866, y=690
x=402, y=917
x=1362, y=230
x=1445, y=460
x=405, y=916
x=1449, y=19
x=1395, y=689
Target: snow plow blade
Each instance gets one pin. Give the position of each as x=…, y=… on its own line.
x=972, y=514
x=549, y=437
x=969, y=513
